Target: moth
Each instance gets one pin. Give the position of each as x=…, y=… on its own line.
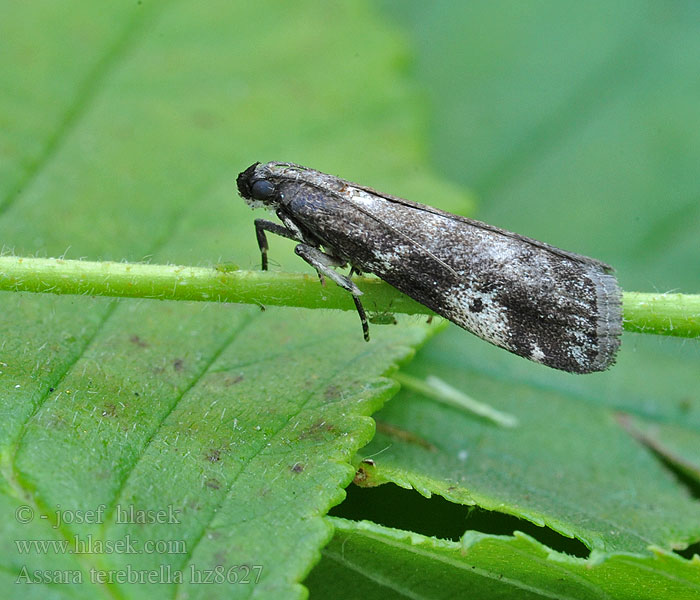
x=551, y=306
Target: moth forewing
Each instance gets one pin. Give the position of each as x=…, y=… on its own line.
x=554, y=307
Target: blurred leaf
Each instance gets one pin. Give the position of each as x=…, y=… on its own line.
x=575, y=123
x=568, y=465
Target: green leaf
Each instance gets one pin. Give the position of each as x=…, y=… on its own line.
x=576, y=124
x=370, y=561
x=124, y=126
x=568, y=465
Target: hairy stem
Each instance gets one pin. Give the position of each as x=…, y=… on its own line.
x=664, y=314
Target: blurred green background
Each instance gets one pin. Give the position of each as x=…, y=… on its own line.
x=124, y=124
x=575, y=122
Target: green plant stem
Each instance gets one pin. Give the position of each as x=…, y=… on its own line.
x=206, y=284
x=664, y=314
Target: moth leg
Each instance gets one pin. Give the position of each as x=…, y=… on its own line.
x=360, y=308
x=263, y=225
x=324, y=263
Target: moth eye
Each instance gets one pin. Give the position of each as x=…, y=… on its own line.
x=262, y=189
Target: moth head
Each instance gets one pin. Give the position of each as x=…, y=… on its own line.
x=256, y=187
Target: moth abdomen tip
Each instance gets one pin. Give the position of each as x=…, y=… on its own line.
x=608, y=319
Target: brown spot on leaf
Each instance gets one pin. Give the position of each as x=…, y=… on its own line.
x=403, y=435
x=135, y=339
x=331, y=392
x=213, y=483
x=360, y=476
x=363, y=475
x=110, y=410
x=297, y=468
x=178, y=364
x=214, y=455
x=316, y=430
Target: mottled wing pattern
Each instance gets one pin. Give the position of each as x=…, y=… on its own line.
x=551, y=306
